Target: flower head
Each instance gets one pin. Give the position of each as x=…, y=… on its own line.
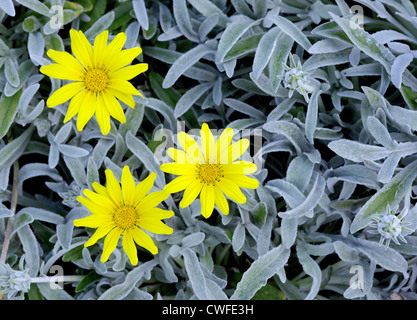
x=296, y=79
x=124, y=211
x=390, y=227
x=13, y=281
x=211, y=170
x=100, y=78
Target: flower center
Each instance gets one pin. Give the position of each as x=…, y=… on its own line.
x=125, y=217
x=209, y=173
x=96, y=80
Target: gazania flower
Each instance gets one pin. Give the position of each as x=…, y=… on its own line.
x=124, y=211
x=211, y=170
x=100, y=78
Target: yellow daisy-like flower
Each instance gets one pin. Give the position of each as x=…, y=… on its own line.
x=211, y=170
x=124, y=211
x=100, y=76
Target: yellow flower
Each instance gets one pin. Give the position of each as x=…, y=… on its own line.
x=100, y=78
x=124, y=211
x=211, y=171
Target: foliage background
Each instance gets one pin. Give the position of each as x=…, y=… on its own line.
x=330, y=164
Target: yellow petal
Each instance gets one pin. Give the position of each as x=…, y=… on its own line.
x=158, y=213
x=239, y=167
x=129, y=72
x=113, y=187
x=100, y=199
x=224, y=140
x=221, y=201
x=65, y=59
x=179, y=184
x=152, y=200
x=123, y=86
x=64, y=93
x=113, y=49
x=234, y=151
x=190, y=146
x=110, y=243
x=181, y=157
x=122, y=96
x=81, y=48
x=123, y=58
x=155, y=226
x=128, y=186
x=207, y=144
x=191, y=193
x=231, y=190
x=143, y=187
x=94, y=207
x=100, y=44
x=207, y=200
x=129, y=247
x=87, y=110
x=114, y=107
x=102, y=115
x=92, y=221
x=59, y=71
x=178, y=168
x=243, y=181
x=144, y=240
x=74, y=105
x=100, y=233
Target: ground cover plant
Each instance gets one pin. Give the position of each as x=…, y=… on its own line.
x=196, y=149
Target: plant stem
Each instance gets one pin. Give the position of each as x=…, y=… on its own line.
x=13, y=206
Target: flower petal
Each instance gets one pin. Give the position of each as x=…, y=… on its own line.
x=129, y=72
x=208, y=144
x=110, y=243
x=64, y=93
x=124, y=58
x=113, y=48
x=123, y=86
x=191, y=193
x=100, y=233
x=239, y=167
x=155, y=226
x=122, y=96
x=234, y=151
x=94, y=207
x=102, y=115
x=87, y=110
x=100, y=44
x=221, y=201
x=113, y=187
x=66, y=59
x=100, y=199
x=231, y=190
x=128, y=186
x=178, y=168
x=144, y=240
x=178, y=184
x=59, y=71
x=143, y=187
x=81, y=48
x=129, y=247
x=243, y=181
x=152, y=200
x=74, y=105
x=92, y=221
x=207, y=200
x=114, y=107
